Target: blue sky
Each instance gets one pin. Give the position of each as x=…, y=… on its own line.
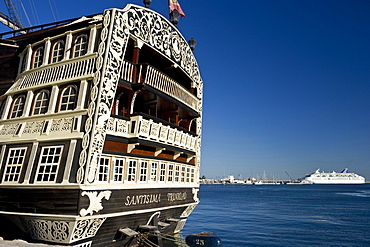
x=286, y=83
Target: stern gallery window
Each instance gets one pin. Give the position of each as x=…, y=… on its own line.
x=14, y=164
x=49, y=163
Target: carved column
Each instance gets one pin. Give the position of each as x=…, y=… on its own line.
x=28, y=104
x=28, y=58
x=46, y=52
x=53, y=99
x=82, y=95
x=90, y=48
x=68, y=47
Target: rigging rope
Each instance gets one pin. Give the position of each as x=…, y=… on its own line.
x=34, y=12
x=52, y=10
x=56, y=10
x=143, y=239
x=25, y=13
x=169, y=237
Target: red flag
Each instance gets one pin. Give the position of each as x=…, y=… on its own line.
x=174, y=4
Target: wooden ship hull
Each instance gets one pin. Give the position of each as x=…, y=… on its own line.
x=100, y=130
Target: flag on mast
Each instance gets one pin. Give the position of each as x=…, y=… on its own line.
x=174, y=4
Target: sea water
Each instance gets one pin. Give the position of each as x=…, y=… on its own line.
x=284, y=215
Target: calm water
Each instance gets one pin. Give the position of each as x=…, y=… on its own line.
x=284, y=215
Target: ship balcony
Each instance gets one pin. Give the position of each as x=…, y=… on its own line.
x=148, y=75
x=71, y=69
x=152, y=129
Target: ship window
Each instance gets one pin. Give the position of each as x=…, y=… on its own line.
x=14, y=164
x=80, y=46
x=187, y=174
x=143, y=171
x=119, y=165
x=177, y=173
x=162, y=172
x=103, y=172
x=41, y=102
x=18, y=106
x=170, y=173
x=131, y=171
x=153, y=171
x=58, y=51
x=192, y=175
x=38, y=57
x=49, y=163
x=2, y=104
x=183, y=174
x=68, y=99
x=24, y=62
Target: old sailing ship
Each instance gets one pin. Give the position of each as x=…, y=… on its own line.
x=100, y=129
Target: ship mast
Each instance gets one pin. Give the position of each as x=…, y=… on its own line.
x=14, y=20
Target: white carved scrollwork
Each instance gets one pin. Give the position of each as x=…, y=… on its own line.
x=147, y=26
x=113, y=43
x=62, y=231
x=157, y=32
x=188, y=210
x=9, y=129
x=95, y=201
x=48, y=230
x=86, y=228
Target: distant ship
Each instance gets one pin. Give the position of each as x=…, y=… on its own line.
x=344, y=177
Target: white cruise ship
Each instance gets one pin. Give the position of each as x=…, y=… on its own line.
x=344, y=177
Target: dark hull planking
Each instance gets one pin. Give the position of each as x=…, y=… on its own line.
x=165, y=208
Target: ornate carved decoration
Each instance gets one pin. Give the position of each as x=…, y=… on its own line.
x=188, y=210
x=95, y=201
x=38, y=125
x=60, y=231
x=155, y=31
x=111, y=50
x=195, y=194
x=9, y=129
x=86, y=228
x=62, y=124
x=54, y=231
x=122, y=126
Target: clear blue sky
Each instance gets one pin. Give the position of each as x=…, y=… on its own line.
x=286, y=83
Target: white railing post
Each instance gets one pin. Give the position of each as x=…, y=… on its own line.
x=55, y=72
x=167, y=85
x=127, y=71
x=147, y=129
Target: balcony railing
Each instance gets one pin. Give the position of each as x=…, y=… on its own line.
x=164, y=83
x=128, y=71
x=55, y=72
x=147, y=129
x=151, y=76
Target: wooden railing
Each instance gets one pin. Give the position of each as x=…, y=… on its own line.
x=128, y=71
x=139, y=127
x=164, y=83
x=151, y=76
x=55, y=72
